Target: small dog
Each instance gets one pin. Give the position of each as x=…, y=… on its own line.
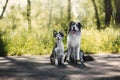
x=73, y=42
x=57, y=56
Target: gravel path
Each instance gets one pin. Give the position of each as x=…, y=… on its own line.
x=104, y=67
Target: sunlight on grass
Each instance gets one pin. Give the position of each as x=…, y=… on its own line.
x=45, y=18
x=38, y=42
x=95, y=41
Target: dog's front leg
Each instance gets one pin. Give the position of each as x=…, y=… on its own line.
x=68, y=54
x=81, y=56
x=56, y=61
x=78, y=55
x=62, y=60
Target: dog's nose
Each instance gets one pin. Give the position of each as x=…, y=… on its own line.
x=58, y=38
x=73, y=28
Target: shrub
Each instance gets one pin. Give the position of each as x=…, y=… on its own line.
x=95, y=41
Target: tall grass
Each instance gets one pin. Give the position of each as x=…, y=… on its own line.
x=23, y=42
x=38, y=42
x=17, y=40
x=95, y=41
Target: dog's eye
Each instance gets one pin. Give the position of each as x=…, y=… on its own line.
x=61, y=34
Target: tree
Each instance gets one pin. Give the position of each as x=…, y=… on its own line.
x=117, y=16
x=29, y=14
x=96, y=14
x=50, y=12
x=4, y=8
x=69, y=10
x=108, y=11
x=61, y=9
x=3, y=52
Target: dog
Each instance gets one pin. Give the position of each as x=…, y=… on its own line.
x=57, y=56
x=73, y=42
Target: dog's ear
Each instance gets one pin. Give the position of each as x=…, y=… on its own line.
x=54, y=33
x=71, y=23
x=79, y=25
x=61, y=33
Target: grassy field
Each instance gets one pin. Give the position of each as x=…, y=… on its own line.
x=38, y=42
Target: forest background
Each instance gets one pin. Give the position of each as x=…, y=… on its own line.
x=26, y=26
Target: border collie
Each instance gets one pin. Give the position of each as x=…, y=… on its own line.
x=73, y=42
x=57, y=56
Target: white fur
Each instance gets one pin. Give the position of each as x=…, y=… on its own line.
x=73, y=40
x=59, y=52
x=56, y=61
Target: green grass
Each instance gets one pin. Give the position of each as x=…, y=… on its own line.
x=95, y=41
x=19, y=41
x=22, y=42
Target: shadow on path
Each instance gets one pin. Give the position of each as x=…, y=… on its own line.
x=32, y=68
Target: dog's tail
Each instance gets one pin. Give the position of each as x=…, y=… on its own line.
x=86, y=57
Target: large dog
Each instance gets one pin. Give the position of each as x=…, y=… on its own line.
x=57, y=56
x=73, y=42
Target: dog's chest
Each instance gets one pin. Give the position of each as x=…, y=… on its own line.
x=73, y=40
x=59, y=48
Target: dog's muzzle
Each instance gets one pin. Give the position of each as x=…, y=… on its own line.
x=58, y=38
x=73, y=31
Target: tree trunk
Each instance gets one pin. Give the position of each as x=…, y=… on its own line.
x=96, y=14
x=29, y=14
x=61, y=9
x=3, y=51
x=108, y=12
x=117, y=6
x=4, y=8
x=69, y=10
x=50, y=12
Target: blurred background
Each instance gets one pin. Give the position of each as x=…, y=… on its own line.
x=26, y=26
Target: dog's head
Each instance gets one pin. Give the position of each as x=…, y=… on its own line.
x=58, y=35
x=74, y=27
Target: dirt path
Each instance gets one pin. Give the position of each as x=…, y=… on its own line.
x=104, y=67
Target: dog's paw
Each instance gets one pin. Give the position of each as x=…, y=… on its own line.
x=68, y=61
x=78, y=60
x=62, y=63
x=56, y=62
x=81, y=60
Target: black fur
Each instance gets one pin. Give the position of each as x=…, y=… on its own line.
x=88, y=58
x=70, y=24
x=79, y=25
x=61, y=33
x=52, y=56
x=54, y=33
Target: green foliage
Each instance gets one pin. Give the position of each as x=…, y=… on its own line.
x=17, y=40
x=95, y=41
x=24, y=42
x=38, y=42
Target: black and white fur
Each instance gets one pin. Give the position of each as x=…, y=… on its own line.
x=73, y=42
x=57, y=56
